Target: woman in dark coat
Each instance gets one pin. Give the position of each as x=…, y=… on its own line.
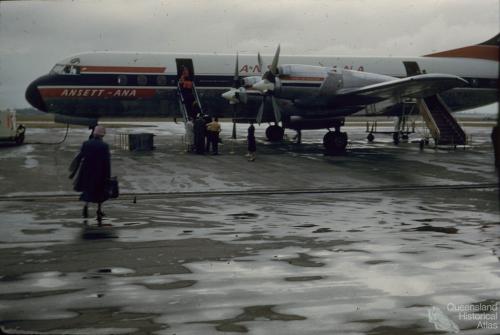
x=94, y=161
x=252, y=145
x=199, y=135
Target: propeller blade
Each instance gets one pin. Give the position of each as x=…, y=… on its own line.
x=261, y=64
x=236, y=73
x=235, y=112
x=276, y=109
x=274, y=64
x=258, y=119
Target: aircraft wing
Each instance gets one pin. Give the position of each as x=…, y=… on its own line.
x=418, y=86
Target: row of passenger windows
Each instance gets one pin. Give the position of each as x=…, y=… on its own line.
x=142, y=80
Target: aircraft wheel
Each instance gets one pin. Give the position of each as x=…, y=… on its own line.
x=275, y=133
x=20, y=139
x=370, y=137
x=395, y=138
x=335, y=141
x=405, y=137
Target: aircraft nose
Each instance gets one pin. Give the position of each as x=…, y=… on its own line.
x=33, y=96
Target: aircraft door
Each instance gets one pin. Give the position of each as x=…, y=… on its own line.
x=412, y=68
x=185, y=64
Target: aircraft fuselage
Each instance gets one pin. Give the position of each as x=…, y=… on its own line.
x=107, y=84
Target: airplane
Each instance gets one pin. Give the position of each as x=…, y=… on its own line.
x=306, y=92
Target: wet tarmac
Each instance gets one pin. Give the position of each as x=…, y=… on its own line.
x=381, y=240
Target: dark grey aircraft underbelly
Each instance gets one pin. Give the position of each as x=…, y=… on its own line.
x=166, y=104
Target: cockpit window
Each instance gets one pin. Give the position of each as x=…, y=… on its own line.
x=57, y=69
x=65, y=69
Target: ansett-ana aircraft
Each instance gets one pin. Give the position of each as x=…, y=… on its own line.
x=298, y=92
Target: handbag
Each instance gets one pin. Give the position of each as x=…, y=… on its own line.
x=113, y=188
x=75, y=165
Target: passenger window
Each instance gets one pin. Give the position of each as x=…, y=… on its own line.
x=142, y=80
x=161, y=80
x=122, y=80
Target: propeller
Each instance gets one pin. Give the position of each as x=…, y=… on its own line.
x=266, y=86
x=236, y=94
x=236, y=98
x=268, y=78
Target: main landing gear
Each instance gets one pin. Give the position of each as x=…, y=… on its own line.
x=335, y=141
x=275, y=133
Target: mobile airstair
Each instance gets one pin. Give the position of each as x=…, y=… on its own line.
x=442, y=125
x=184, y=102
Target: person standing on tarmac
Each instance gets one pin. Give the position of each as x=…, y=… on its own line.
x=252, y=145
x=93, y=164
x=199, y=135
x=213, y=130
x=189, y=137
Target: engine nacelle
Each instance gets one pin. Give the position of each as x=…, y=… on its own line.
x=305, y=71
x=294, y=81
x=302, y=81
x=251, y=80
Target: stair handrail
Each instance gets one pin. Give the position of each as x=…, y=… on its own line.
x=197, y=98
x=182, y=104
x=429, y=120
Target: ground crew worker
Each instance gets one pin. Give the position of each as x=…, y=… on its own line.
x=213, y=130
x=199, y=135
x=252, y=145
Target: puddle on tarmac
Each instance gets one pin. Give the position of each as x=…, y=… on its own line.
x=303, y=278
x=302, y=260
x=339, y=270
x=170, y=286
x=252, y=313
x=112, y=271
x=446, y=230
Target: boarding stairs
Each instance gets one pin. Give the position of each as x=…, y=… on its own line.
x=442, y=125
x=183, y=101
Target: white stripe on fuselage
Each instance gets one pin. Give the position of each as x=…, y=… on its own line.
x=223, y=65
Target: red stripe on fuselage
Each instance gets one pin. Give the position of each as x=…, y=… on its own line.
x=296, y=78
x=123, y=69
x=97, y=93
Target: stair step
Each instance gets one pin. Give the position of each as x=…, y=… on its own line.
x=450, y=131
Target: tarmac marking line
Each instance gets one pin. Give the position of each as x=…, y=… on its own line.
x=253, y=192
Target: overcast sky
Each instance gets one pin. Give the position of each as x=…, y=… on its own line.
x=34, y=35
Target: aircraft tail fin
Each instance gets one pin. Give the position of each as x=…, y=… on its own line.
x=488, y=50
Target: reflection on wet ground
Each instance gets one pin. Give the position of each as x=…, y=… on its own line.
x=347, y=263
x=373, y=268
